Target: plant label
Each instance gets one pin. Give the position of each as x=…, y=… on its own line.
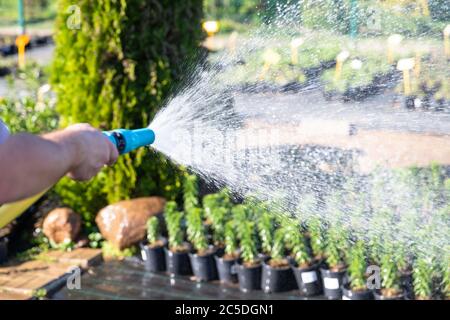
x=144, y=255
x=345, y=298
x=309, y=277
x=331, y=283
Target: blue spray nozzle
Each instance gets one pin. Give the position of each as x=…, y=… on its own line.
x=129, y=140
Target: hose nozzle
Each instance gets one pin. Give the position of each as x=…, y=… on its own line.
x=129, y=140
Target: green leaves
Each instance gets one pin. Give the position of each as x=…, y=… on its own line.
x=152, y=230
x=423, y=277
x=248, y=242
x=266, y=228
x=296, y=243
x=190, y=192
x=357, y=265
x=173, y=222
x=196, y=232
x=231, y=241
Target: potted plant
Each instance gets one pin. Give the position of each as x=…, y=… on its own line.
x=304, y=266
x=190, y=192
x=277, y=275
x=356, y=288
x=248, y=267
x=177, y=258
x=391, y=287
x=202, y=259
x=316, y=233
x=423, y=277
x=152, y=251
x=266, y=226
x=334, y=273
x=226, y=261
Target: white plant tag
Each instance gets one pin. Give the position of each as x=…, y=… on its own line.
x=308, y=277
x=144, y=255
x=345, y=298
x=331, y=283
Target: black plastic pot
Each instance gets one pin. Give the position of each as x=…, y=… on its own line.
x=332, y=283
x=225, y=269
x=378, y=296
x=348, y=294
x=277, y=279
x=3, y=250
x=203, y=267
x=178, y=263
x=308, y=280
x=249, y=277
x=153, y=257
x=406, y=280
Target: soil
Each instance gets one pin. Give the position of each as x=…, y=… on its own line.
x=338, y=268
x=251, y=264
x=278, y=264
x=305, y=265
x=157, y=244
x=229, y=257
x=180, y=249
x=390, y=293
x=206, y=252
x=358, y=289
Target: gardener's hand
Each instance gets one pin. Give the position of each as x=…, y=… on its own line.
x=91, y=151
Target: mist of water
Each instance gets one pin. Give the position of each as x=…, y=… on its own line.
x=263, y=144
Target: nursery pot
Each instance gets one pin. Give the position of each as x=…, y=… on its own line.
x=249, y=277
x=225, y=269
x=332, y=282
x=3, y=250
x=203, y=266
x=379, y=296
x=406, y=280
x=178, y=263
x=153, y=257
x=277, y=279
x=308, y=279
x=349, y=294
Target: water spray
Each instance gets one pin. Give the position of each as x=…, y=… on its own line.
x=128, y=140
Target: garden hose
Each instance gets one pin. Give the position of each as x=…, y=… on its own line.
x=125, y=141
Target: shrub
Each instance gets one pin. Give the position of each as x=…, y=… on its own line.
x=190, y=192
x=152, y=230
x=115, y=71
x=423, y=277
x=296, y=243
x=175, y=231
x=248, y=243
x=357, y=266
x=266, y=228
x=231, y=244
x=196, y=232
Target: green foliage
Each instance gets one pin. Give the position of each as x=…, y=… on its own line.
x=115, y=72
x=357, y=265
x=316, y=234
x=390, y=275
x=190, y=192
x=231, y=241
x=423, y=277
x=334, y=250
x=277, y=252
x=152, y=230
x=248, y=242
x=95, y=240
x=240, y=216
x=174, y=219
x=217, y=208
x=296, y=243
x=27, y=115
x=196, y=231
x=266, y=228
x=111, y=251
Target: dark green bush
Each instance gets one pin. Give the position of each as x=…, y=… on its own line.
x=116, y=71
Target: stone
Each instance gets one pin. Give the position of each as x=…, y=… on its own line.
x=62, y=224
x=124, y=223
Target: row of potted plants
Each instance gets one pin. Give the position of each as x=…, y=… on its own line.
x=261, y=247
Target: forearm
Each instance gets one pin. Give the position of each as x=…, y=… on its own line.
x=30, y=164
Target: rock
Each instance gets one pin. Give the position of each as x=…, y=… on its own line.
x=124, y=223
x=61, y=224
